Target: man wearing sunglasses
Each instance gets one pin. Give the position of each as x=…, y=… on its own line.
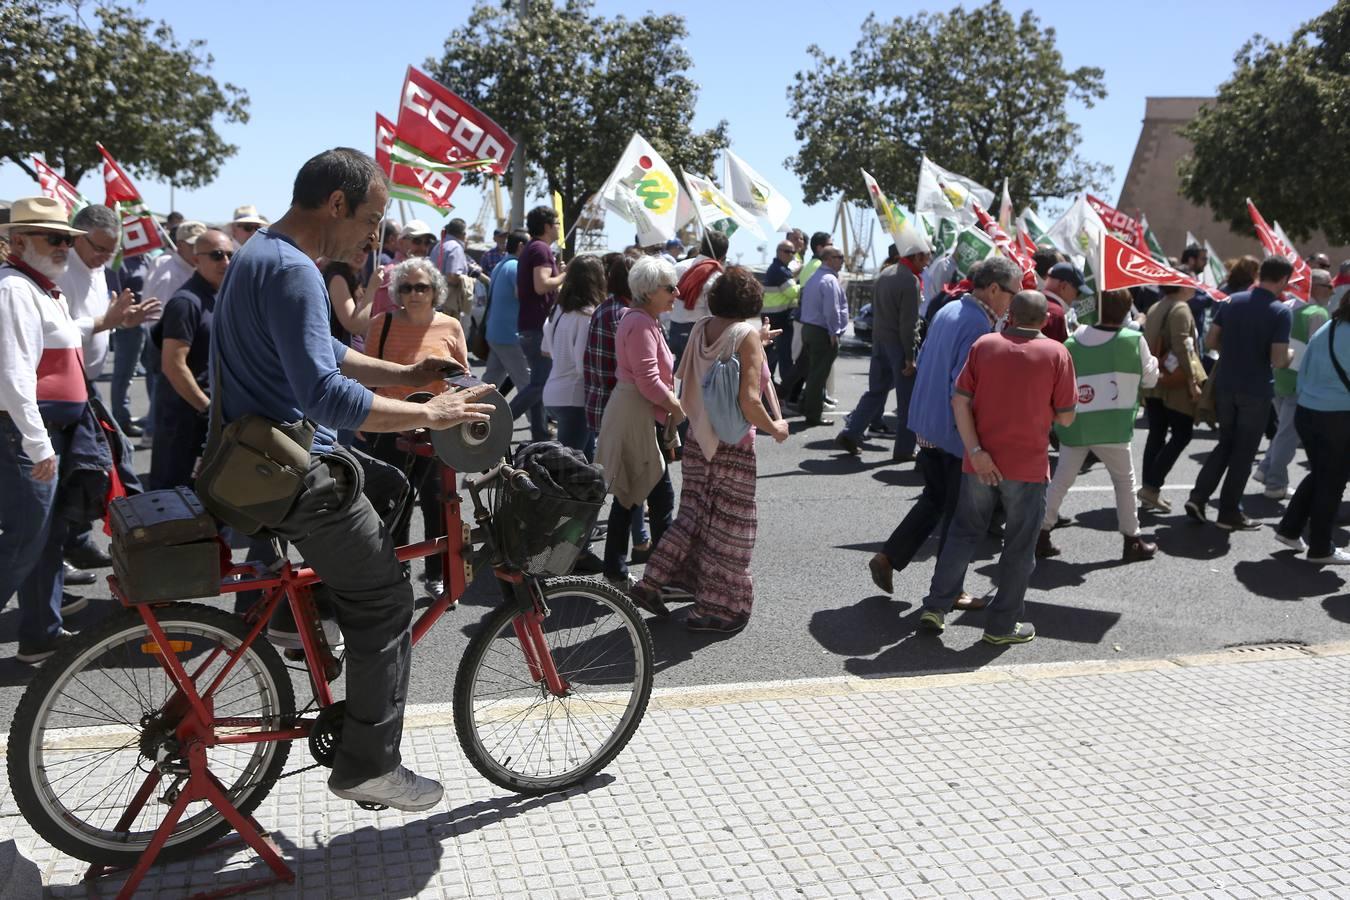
x=183, y=339
x=246, y=223
x=37, y=416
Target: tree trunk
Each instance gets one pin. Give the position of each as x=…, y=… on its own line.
x=23, y=165
x=518, y=184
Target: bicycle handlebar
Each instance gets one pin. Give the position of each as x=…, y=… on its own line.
x=518, y=478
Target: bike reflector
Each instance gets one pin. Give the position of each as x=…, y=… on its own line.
x=151, y=648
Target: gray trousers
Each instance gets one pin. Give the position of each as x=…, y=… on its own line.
x=342, y=537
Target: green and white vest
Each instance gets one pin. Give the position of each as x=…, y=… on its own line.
x=1108, y=390
x=1308, y=317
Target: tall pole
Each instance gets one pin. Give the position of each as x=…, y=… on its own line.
x=518, y=161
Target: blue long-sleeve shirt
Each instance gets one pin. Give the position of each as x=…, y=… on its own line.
x=824, y=303
x=953, y=331
x=277, y=356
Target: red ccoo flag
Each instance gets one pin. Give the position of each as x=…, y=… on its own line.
x=409, y=182
x=1301, y=283
x=140, y=231
x=1122, y=266
x=1115, y=220
x=435, y=122
x=53, y=185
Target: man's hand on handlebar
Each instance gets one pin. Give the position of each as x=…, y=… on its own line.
x=432, y=368
x=457, y=407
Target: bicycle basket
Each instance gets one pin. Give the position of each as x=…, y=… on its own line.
x=541, y=535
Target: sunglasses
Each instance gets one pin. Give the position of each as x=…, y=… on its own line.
x=411, y=288
x=670, y=287
x=54, y=239
x=218, y=255
x=424, y=239
x=247, y=226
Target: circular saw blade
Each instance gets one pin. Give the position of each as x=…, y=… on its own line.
x=476, y=446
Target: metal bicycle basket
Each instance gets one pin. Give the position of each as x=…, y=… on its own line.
x=541, y=535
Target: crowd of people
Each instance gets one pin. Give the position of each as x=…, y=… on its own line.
x=638, y=361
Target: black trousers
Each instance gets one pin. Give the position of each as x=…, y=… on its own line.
x=1169, y=432
x=941, y=487
x=424, y=485
x=1326, y=440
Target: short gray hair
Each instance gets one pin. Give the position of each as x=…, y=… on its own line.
x=423, y=265
x=648, y=275
x=96, y=217
x=996, y=270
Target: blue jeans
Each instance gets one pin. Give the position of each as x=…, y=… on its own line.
x=150, y=359
x=529, y=398
x=1275, y=465
x=885, y=373
x=572, y=429
x=126, y=346
x=31, y=540
x=1242, y=422
x=1024, y=506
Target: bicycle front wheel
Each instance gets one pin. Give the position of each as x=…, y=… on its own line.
x=519, y=734
x=95, y=730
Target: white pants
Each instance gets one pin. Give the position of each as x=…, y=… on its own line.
x=1120, y=465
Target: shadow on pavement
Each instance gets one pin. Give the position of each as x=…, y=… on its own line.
x=1286, y=577
x=1179, y=536
x=1338, y=607
x=865, y=628
x=895, y=476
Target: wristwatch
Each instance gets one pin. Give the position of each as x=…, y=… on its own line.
x=976, y=449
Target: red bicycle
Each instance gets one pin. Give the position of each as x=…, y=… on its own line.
x=161, y=730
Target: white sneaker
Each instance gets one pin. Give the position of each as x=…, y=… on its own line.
x=1276, y=493
x=1293, y=543
x=401, y=789
x=1338, y=557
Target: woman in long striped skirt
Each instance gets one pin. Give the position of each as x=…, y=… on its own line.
x=707, y=549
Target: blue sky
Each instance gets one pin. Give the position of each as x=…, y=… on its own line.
x=317, y=71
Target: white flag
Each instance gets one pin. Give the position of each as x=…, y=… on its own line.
x=1079, y=232
x=1005, y=210
x=643, y=190
x=1192, y=240
x=909, y=236
x=1215, y=272
x=752, y=192
x=716, y=210
x=948, y=195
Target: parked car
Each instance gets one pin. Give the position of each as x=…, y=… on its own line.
x=862, y=324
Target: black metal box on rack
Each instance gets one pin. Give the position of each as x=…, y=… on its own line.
x=164, y=547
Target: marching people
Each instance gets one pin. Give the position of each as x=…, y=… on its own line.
x=538, y=278
x=637, y=427
x=183, y=337
x=1322, y=417
x=1170, y=405
x=1112, y=362
x=780, y=299
x=695, y=277
x=276, y=358
x=1061, y=286
x=1306, y=318
x=407, y=335
x=707, y=549
x=1015, y=383
x=414, y=240
x=1251, y=331
x=824, y=318
x=952, y=332
x=166, y=274
x=245, y=223
x=38, y=413
x=895, y=342
x=581, y=293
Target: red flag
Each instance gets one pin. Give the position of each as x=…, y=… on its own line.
x=1122, y=266
x=54, y=186
x=436, y=122
x=140, y=233
x=118, y=186
x=1005, y=245
x=431, y=188
x=1115, y=220
x=1301, y=283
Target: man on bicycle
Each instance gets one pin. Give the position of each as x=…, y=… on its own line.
x=276, y=358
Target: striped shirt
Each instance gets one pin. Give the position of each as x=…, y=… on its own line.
x=407, y=344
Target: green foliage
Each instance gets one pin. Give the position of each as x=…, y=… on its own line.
x=1278, y=131
x=573, y=87
x=983, y=94
x=123, y=80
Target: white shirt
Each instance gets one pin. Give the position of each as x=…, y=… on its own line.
x=167, y=274
x=565, y=342
x=86, y=293
x=31, y=323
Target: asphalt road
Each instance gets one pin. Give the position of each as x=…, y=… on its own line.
x=817, y=613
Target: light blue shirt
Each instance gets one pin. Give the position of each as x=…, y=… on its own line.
x=1319, y=386
x=504, y=306
x=824, y=302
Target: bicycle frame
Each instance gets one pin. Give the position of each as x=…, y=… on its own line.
x=196, y=728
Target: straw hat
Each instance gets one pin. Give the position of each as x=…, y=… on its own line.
x=39, y=212
x=248, y=215
x=417, y=228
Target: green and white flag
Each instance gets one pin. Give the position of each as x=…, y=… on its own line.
x=643, y=190
x=1155, y=247
x=1036, y=227
x=945, y=193
x=972, y=245
x=1215, y=269
x=755, y=195
x=718, y=211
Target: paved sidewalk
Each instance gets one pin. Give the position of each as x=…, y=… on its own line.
x=1218, y=776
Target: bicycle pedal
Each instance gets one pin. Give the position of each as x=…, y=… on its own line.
x=372, y=807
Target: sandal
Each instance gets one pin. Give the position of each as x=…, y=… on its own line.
x=714, y=624
x=648, y=598
x=966, y=601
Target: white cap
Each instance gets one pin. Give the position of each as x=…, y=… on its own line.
x=417, y=227
x=911, y=240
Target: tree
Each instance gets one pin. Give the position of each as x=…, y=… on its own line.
x=127, y=82
x=1277, y=132
x=574, y=87
x=982, y=94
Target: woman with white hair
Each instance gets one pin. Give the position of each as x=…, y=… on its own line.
x=642, y=404
x=410, y=333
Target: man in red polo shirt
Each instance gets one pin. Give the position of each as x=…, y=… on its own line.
x=1015, y=384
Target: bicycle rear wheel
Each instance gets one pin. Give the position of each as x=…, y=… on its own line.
x=517, y=733
x=91, y=727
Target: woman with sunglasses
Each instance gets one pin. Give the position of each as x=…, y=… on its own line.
x=410, y=333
